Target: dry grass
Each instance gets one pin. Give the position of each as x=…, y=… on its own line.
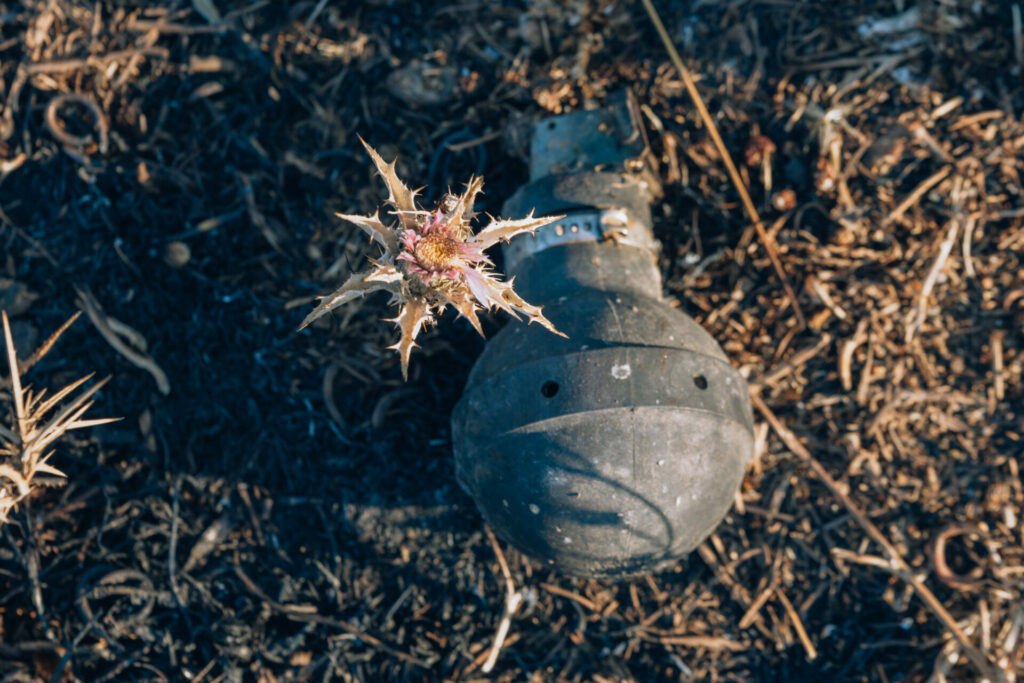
x=37, y=422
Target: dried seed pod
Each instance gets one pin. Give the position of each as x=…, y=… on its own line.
x=824, y=177
x=760, y=148
x=177, y=254
x=784, y=200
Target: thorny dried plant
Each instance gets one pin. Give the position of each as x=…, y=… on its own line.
x=433, y=259
x=37, y=423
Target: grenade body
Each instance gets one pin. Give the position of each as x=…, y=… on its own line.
x=614, y=451
x=618, y=449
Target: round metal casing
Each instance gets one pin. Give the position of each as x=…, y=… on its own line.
x=610, y=453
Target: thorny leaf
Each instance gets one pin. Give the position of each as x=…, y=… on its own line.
x=46, y=406
x=382, y=278
x=503, y=231
x=463, y=211
x=400, y=196
x=509, y=301
x=432, y=260
x=47, y=468
x=467, y=309
x=381, y=233
x=410, y=320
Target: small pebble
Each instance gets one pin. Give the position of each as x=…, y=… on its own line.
x=177, y=254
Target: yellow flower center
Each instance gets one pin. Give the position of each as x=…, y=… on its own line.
x=436, y=252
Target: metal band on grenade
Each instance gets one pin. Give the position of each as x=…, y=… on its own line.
x=593, y=225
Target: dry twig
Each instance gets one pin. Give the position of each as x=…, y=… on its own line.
x=896, y=562
x=513, y=599
x=748, y=204
x=136, y=356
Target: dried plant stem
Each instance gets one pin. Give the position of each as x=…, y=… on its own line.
x=172, y=553
x=29, y=559
x=791, y=365
x=897, y=564
x=136, y=357
x=513, y=599
x=32, y=566
x=308, y=613
x=798, y=624
x=969, y=226
x=995, y=340
x=917, y=317
x=915, y=196
x=739, y=592
x=748, y=204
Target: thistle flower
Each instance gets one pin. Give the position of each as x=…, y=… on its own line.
x=432, y=260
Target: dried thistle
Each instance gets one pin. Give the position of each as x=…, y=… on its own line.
x=431, y=260
x=25, y=446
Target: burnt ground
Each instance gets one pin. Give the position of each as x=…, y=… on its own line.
x=288, y=509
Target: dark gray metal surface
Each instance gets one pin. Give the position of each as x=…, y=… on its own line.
x=589, y=162
x=611, y=136
x=611, y=452
x=618, y=449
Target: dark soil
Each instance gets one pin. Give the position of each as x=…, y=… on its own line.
x=289, y=511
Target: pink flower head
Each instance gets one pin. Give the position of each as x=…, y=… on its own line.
x=436, y=252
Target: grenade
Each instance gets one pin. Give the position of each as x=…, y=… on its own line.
x=617, y=450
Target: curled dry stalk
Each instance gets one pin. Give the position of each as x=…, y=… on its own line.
x=38, y=421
